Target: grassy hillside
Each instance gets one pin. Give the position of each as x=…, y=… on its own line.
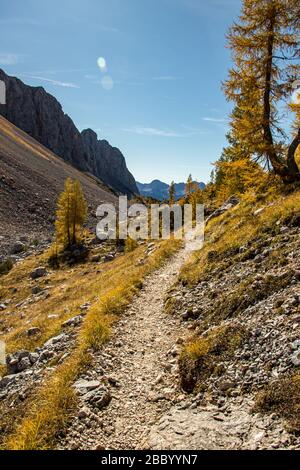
x=108, y=288
x=243, y=290
x=248, y=223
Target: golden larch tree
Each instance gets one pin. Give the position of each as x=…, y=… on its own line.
x=189, y=186
x=265, y=50
x=71, y=214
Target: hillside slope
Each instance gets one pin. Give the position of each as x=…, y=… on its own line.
x=41, y=116
x=240, y=299
x=31, y=178
x=215, y=367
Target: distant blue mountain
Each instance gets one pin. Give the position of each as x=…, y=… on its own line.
x=159, y=190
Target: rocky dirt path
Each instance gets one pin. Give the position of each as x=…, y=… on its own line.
x=140, y=365
x=146, y=362
x=131, y=398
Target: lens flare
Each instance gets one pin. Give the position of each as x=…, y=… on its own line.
x=102, y=64
x=107, y=82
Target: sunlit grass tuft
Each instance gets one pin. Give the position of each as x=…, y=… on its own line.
x=201, y=355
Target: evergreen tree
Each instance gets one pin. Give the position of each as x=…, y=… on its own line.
x=172, y=193
x=265, y=46
x=189, y=186
x=71, y=214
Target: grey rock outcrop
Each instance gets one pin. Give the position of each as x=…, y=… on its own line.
x=229, y=204
x=38, y=272
x=108, y=163
x=41, y=116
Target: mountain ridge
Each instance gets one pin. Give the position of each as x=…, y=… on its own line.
x=39, y=114
x=31, y=179
x=160, y=190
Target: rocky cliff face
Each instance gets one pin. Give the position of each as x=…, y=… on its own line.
x=108, y=162
x=39, y=114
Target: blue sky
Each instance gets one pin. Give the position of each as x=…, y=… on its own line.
x=158, y=97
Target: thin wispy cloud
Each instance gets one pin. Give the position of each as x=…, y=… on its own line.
x=136, y=81
x=151, y=131
x=53, y=82
x=166, y=78
x=155, y=132
x=42, y=72
x=95, y=81
x=191, y=130
x=8, y=59
x=212, y=119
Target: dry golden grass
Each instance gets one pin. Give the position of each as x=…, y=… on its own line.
x=68, y=289
x=238, y=226
x=201, y=355
x=48, y=411
x=46, y=414
x=282, y=397
x=130, y=245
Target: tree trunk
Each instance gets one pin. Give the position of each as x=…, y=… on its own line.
x=275, y=160
x=287, y=170
x=293, y=168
